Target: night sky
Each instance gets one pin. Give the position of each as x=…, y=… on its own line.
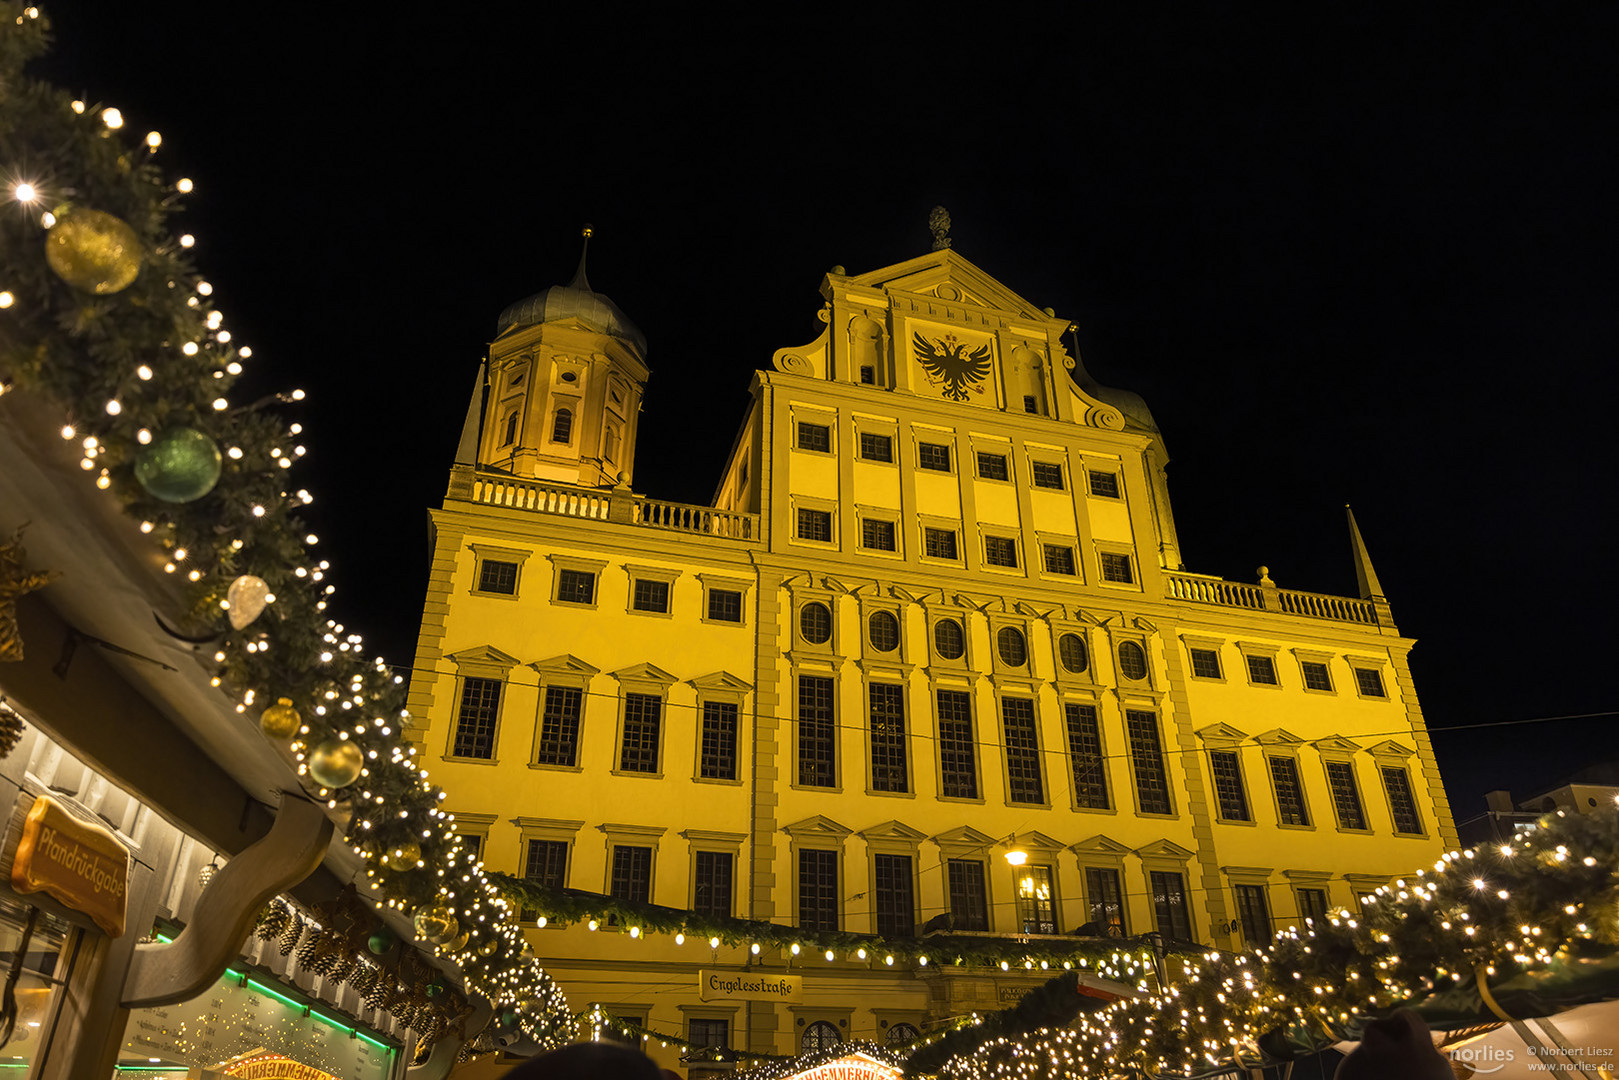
x=1347, y=254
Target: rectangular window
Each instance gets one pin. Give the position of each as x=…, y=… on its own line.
x=1345, y=795
x=1229, y=795
x=475, y=719
x=712, y=889
x=1104, y=484
x=934, y=456
x=559, y=727
x=1085, y=752
x=643, y=717
x=1036, y=900
x=817, y=733
x=718, y=760
x=1000, y=551
x=1169, y=906
x=1206, y=663
x=545, y=864
x=472, y=844
x=1313, y=904
x=816, y=437
x=1253, y=912
x=817, y=889
x=1261, y=670
x=1030, y=405
x=1047, y=474
x=1059, y=559
x=650, y=596
x=958, y=760
x=939, y=543
x=1316, y=676
x=878, y=535
x=632, y=874
x=498, y=577
x=868, y=375
x=1290, y=809
x=713, y=1032
x=1147, y=761
x=888, y=765
x=874, y=447
x=815, y=525
x=576, y=587
x=969, y=900
x=1022, y=751
x=992, y=466
x=1370, y=682
x=1402, y=800
x=894, y=895
x=1105, y=899
x=1117, y=568
x=725, y=605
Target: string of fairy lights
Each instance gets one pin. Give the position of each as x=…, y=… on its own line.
x=104, y=318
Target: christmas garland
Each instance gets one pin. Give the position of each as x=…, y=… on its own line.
x=1506, y=931
x=1124, y=960
x=104, y=318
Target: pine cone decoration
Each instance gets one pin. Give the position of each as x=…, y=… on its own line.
x=11, y=729
x=273, y=920
x=290, y=935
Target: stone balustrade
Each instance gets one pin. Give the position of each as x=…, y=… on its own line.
x=1209, y=590
x=605, y=505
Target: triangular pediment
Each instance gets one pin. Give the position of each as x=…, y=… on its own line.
x=1221, y=734
x=962, y=283
x=643, y=672
x=721, y=680
x=1165, y=849
x=1388, y=748
x=1099, y=845
x=1278, y=737
x=965, y=836
x=1336, y=744
x=567, y=663
x=893, y=830
x=484, y=654
x=817, y=827
x=1037, y=841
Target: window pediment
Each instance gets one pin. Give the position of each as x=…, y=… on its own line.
x=1280, y=738
x=721, y=681
x=566, y=664
x=1336, y=745
x=965, y=836
x=1099, y=845
x=1388, y=748
x=818, y=827
x=1165, y=849
x=893, y=830
x=1221, y=735
x=644, y=673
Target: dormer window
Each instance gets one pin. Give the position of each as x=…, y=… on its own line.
x=562, y=426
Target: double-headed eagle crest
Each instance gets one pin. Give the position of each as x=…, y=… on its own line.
x=948, y=363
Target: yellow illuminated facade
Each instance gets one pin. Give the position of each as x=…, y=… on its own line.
x=936, y=615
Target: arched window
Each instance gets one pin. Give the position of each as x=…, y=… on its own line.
x=1132, y=661
x=815, y=623
x=884, y=631
x=1071, y=651
x=511, y=429
x=901, y=1035
x=1013, y=649
x=819, y=1036
x=562, y=427
x=948, y=639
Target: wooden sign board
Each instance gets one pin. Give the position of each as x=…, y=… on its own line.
x=82, y=865
x=748, y=986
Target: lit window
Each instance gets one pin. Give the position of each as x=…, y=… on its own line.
x=1036, y=906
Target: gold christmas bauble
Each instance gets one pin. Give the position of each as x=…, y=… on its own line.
x=460, y=942
x=93, y=251
x=488, y=948
x=336, y=763
x=435, y=923
x=403, y=856
x=281, y=720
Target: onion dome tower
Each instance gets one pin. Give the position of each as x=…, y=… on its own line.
x=567, y=370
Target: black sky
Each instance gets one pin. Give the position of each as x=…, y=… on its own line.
x=1347, y=254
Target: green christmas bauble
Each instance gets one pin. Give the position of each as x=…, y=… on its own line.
x=179, y=465
x=434, y=989
x=336, y=763
x=93, y=251
x=381, y=941
x=508, y=1019
x=435, y=923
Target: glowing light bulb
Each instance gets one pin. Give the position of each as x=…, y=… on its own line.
x=154, y=140
x=114, y=408
x=184, y=185
x=6, y=299
x=112, y=118
x=187, y=240
x=25, y=192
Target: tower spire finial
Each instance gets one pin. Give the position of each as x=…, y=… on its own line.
x=1365, y=576
x=939, y=224
x=579, y=280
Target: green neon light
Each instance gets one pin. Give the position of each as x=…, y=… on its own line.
x=300, y=1006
